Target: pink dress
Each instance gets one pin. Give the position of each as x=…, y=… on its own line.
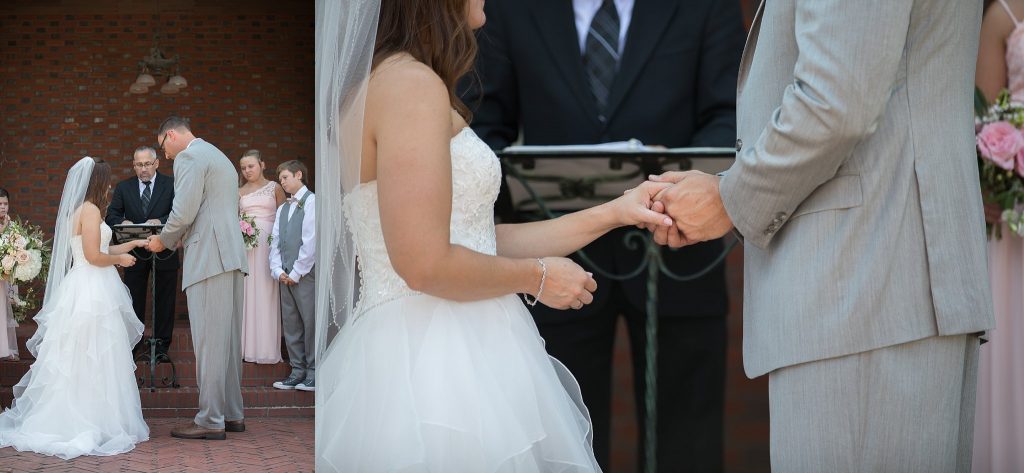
x=999, y=418
x=8, y=335
x=261, y=311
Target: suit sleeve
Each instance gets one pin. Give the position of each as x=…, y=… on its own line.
x=720, y=52
x=495, y=96
x=115, y=211
x=849, y=55
x=169, y=182
x=188, y=195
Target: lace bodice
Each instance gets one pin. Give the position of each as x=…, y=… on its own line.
x=476, y=178
x=76, y=245
x=261, y=203
x=1014, y=55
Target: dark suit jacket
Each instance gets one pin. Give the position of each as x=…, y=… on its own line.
x=676, y=86
x=127, y=205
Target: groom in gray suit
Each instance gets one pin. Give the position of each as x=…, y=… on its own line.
x=205, y=216
x=855, y=189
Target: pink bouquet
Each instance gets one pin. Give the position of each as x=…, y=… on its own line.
x=1001, y=160
x=250, y=233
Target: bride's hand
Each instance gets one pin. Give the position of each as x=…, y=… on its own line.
x=126, y=260
x=636, y=206
x=566, y=285
x=140, y=243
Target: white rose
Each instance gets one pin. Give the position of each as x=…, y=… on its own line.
x=20, y=242
x=29, y=270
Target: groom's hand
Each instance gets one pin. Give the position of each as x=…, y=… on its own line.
x=155, y=245
x=695, y=204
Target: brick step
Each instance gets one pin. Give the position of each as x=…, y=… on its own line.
x=253, y=375
x=183, y=402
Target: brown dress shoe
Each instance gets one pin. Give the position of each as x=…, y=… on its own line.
x=193, y=431
x=234, y=425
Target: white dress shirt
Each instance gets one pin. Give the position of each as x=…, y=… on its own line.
x=152, y=186
x=307, y=251
x=585, y=10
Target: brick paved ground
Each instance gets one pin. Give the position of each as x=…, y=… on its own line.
x=267, y=445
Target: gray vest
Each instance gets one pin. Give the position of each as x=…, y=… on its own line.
x=289, y=233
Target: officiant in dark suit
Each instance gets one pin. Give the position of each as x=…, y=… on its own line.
x=591, y=71
x=147, y=198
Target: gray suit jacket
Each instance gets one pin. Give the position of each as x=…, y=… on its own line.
x=205, y=214
x=856, y=183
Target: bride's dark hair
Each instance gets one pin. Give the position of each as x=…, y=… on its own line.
x=434, y=32
x=98, y=191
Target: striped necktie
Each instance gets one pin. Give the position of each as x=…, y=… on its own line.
x=601, y=57
x=147, y=194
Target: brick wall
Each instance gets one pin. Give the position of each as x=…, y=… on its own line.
x=65, y=68
x=64, y=81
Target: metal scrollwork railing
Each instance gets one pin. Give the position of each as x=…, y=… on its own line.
x=153, y=357
x=648, y=162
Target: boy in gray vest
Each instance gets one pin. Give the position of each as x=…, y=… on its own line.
x=292, y=254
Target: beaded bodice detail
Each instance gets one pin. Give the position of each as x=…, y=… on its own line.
x=78, y=254
x=476, y=179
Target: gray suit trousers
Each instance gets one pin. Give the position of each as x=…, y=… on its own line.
x=903, y=408
x=215, y=314
x=298, y=321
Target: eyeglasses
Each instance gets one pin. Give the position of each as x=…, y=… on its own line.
x=145, y=165
x=162, y=141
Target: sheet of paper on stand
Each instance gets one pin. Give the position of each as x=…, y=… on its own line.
x=588, y=181
x=129, y=232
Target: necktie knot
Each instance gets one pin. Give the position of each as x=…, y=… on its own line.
x=146, y=183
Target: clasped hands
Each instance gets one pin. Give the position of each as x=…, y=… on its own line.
x=692, y=201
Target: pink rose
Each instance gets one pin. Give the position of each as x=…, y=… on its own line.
x=246, y=228
x=1000, y=142
x=22, y=257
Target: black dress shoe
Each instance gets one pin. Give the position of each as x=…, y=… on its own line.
x=234, y=425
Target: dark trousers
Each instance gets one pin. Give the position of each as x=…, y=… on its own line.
x=691, y=374
x=137, y=280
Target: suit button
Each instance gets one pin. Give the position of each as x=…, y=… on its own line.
x=739, y=145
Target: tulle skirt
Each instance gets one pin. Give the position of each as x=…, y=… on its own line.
x=80, y=396
x=423, y=384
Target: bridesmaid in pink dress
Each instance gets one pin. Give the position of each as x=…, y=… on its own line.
x=261, y=312
x=8, y=336
x=999, y=419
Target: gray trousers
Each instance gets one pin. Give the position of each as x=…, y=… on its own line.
x=215, y=316
x=298, y=321
x=904, y=408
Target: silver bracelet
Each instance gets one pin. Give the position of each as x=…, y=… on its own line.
x=543, y=277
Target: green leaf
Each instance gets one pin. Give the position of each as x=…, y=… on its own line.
x=980, y=103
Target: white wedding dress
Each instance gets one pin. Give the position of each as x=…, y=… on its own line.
x=80, y=396
x=416, y=383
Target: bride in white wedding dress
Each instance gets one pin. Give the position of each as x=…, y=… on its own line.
x=80, y=396
x=439, y=367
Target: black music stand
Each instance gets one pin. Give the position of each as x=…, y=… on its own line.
x=520, y=160
x=131, y=232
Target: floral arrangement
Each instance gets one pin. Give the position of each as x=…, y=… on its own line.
x=250, y=232
x=1001, y=158
x=24, y=258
